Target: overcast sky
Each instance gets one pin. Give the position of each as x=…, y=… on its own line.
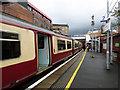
x=76, y=13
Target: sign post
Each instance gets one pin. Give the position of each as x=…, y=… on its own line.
x=107, y=29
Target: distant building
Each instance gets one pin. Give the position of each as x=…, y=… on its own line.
x=97, y=33
x=79, y=37
x=61, y=29
x=27, y=12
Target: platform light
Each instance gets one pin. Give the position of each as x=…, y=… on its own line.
x=92, y=23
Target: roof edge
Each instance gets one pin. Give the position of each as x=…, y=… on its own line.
x=39, y=10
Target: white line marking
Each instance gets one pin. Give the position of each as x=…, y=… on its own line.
x=43, y=78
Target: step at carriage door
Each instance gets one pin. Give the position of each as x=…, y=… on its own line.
x=43, y=51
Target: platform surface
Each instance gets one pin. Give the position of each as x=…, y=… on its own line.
x=48, y=82
x=91, y=75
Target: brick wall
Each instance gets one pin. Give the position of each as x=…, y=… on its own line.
x=116, y=39
x=18, y=11
x=23, y=13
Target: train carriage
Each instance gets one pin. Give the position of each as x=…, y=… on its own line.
x=75, y=46
x=19, y=59
x=62, y=48
x=28, y=49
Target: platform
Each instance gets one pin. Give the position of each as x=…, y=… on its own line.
x=92, y=73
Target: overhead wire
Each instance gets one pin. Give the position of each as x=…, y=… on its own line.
x=112, y=7
x=111, y=3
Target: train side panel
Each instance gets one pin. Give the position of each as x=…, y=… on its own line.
x=75, y=46
x=26, y=61
x=62, y=48
x=16, y=69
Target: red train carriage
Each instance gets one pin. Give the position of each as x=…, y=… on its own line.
x=28, y=49
x=76, y=47
x=19, y=54
x=62, y=48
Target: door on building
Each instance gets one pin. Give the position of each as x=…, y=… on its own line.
x=43, y=51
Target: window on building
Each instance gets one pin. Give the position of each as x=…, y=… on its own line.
x=10, y=45
x=62, y=29
x=68, y=44
x=61, y=45
x=50, y=27
x=42, y=23
x=46, y=25
x=40, y=41
x=49, y=21
x=29, y=8
x=36, y=20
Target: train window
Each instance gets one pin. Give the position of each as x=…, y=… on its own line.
x=61, y=45
x=10, y=49
x=10, y=45
x=36, y=20
x=7, y=35
x=40, y=41
x=68, y=45
x=76, y=45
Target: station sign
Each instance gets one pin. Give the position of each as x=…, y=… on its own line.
x=103, y=29
x=104, y=46
x=107, y=27
x=117, y=44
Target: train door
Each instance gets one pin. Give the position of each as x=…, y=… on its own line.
x=43, y=51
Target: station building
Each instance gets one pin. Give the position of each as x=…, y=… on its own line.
x=101, y=43
x=61, y=29
x=27, y=12
x=79, y=37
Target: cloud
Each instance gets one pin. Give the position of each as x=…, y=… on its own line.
x=76, y=13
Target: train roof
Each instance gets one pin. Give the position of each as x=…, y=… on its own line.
x=24, y=23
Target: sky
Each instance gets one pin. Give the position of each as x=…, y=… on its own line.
x=76, y=13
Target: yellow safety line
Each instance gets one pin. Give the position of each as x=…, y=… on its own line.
x=74, y=74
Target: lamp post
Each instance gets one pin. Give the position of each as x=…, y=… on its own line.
x=92, y=24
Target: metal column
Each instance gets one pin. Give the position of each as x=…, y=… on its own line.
x=111, y=47
x=107, y=51
x=92, y=40
x=95, y=44
x=99, y=45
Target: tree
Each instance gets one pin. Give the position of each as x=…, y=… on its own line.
x=116, y=14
